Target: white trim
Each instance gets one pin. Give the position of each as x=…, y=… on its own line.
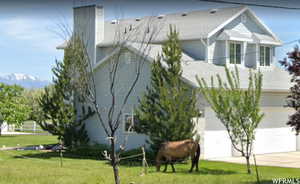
x=270, y=56
x=244, y=51
x=260, y=23
x=227, y=22
x=264, y=26
x=241, y=56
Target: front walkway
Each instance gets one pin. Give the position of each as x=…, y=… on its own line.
x=288, y=159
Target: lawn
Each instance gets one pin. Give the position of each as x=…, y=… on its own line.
x=26, y=140
x=37, y=167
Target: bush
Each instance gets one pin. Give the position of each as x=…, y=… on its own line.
x=88, y=151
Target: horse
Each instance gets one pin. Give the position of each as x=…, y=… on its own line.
x=170, y=151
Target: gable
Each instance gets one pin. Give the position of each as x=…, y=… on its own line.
x=245, y=24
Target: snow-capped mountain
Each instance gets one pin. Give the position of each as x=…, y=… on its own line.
x=24, y=80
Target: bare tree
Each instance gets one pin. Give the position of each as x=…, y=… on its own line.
x=140, y=36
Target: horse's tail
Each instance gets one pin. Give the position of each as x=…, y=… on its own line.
x=197, y=153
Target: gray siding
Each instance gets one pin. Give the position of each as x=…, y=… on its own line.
x=194, y=49
x=250, y=56
x=272, y=104
x=102, y=52
x=126, y=74
x=245, y=27
x=87, y=20
x=219, y=53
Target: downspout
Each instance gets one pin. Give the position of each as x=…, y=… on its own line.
x=206, y=48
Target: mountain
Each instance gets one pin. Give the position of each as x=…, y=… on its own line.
x=24, y=80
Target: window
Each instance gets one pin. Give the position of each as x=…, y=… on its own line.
x=235, y=53
x=129, y=121
x=265, y=56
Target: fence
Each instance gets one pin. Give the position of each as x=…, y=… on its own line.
x=30, y=126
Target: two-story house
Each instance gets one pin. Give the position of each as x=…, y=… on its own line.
x=210, y=40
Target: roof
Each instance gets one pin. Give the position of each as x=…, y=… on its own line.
x=274, y=80
x=191, y=25
x=151, y=51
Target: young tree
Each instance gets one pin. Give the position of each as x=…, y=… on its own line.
x=238, y=109
x=165, y=112
x=13, y=106
x=57, y=113
x=293, y=100
x=84, y=79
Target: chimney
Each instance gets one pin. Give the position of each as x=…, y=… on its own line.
x=89, y=25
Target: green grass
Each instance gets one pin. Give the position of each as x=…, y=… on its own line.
x=37, y=167
x=26, y=140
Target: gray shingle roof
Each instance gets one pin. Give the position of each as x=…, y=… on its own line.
x=194, y=25
x=274, y=79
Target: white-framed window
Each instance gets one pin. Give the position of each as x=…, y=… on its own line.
x=235, y=53
x=264, y=56
x=130, y=120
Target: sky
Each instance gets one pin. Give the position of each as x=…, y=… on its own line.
x=30, y=31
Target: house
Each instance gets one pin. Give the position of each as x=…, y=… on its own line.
x=210, y=40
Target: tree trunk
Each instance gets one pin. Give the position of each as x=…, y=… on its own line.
x=114, y=161
x=1, y=127
x=248, y=164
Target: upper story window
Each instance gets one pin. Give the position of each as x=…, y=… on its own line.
x=264, y=56
x=235, y=53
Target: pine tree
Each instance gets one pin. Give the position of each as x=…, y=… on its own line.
x=57, y=106
x=165, y=112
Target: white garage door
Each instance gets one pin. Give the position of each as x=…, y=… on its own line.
x=270, y=140
x=217, y=144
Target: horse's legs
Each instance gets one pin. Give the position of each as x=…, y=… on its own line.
x=197, y=163
x=166, y=166
x=193, y=164
x=173, y=168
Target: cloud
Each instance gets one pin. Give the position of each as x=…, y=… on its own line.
x=34, y=32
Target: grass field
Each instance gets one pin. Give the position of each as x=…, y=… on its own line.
x=37, y=167
x=26, y=140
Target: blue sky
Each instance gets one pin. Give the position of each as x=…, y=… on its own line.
x=28, y=31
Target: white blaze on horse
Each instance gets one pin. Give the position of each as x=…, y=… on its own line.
x=170, y=151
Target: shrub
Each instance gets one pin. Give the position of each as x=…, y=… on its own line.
x=88, y=151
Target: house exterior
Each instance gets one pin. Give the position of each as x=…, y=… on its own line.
x=210, y=40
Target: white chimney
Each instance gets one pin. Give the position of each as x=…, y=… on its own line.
x=89, y=25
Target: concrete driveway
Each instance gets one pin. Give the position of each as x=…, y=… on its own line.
x=288, y=159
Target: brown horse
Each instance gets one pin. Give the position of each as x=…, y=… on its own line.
x=170, y=151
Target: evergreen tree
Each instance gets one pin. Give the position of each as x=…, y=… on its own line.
x=57, y=109
x=165, y=112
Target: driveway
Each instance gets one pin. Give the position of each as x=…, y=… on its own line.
x=288, y=159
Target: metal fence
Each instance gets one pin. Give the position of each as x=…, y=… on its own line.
x=30, y=126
